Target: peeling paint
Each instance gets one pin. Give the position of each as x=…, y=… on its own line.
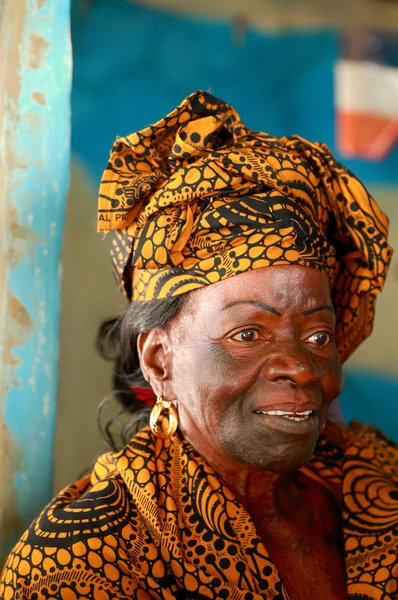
x=20, y=327
x=34, y=152
x=20, y=239
x=39, y=47
x=10, y=452
x=10, y=518
x=33, y=119
x=39, y=97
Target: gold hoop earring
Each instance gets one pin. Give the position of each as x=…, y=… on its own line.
x=157, y=420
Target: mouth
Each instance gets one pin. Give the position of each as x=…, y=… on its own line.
x=291, y=422
x=292, y=416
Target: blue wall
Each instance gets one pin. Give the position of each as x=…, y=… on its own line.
x=133, y=65
x=371, y=398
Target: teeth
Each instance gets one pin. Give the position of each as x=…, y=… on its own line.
x=297, y=416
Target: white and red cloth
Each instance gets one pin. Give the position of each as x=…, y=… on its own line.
x=366, y=96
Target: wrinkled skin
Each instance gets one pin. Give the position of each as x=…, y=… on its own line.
x=259, y=341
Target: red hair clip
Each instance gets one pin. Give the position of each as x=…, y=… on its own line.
x=145, y=395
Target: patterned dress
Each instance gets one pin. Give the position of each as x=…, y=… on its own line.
x=155, y=521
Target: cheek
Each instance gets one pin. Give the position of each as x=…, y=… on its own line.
x=333, y=379
x=208, y=383
x=226, y=378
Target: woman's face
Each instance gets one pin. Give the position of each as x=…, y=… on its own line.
x=255, y=366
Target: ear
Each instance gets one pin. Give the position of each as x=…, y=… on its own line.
x=155, y=356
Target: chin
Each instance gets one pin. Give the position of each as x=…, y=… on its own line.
x=278, y=458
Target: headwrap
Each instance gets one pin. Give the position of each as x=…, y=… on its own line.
x=199, y=197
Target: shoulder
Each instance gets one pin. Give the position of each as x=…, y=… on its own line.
x=79, y=544
x=360, y=446
x=356, y=433
x=370, y=448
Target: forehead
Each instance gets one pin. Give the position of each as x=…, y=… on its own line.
x=281, y=286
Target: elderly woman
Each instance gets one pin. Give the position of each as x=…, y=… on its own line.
x=252, y=264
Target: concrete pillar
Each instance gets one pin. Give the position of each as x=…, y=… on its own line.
x=35, y=77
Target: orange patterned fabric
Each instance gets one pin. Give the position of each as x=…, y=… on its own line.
x=155, y=521
x=199, y=197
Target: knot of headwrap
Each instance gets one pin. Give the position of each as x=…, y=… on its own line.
x=199, y=197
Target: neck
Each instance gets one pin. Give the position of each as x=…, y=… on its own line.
x=252, y=487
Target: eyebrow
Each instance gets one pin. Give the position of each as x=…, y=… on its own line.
x=254, y=303
x=318, y=308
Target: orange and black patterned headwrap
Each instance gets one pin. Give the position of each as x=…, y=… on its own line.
x=200, y=197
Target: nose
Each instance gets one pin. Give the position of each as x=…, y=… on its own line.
x=292, y=364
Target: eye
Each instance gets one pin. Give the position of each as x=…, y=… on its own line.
x=247, y=335
x=320, y=339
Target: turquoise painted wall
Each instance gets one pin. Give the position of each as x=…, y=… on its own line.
x=133, y=65
x=371, y=398
x=35, y=76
